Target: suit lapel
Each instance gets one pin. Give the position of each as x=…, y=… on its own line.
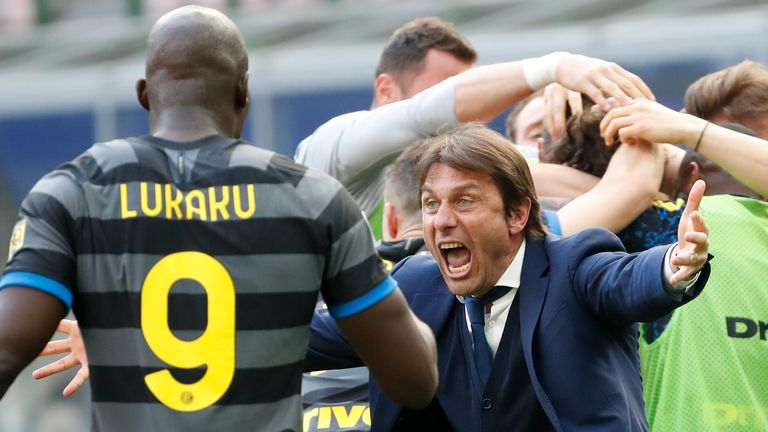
x=534, y=283
x=533, y=290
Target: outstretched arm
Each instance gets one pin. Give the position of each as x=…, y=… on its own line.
x=553, y=180
x=29, y=318
x=484, y=92
x=638, y=287
x=628, y=187
x=375, y=138
x=743, y=156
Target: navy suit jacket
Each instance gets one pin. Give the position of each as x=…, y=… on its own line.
x=579, y=299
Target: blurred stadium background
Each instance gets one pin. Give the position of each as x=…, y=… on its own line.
x=68, y=67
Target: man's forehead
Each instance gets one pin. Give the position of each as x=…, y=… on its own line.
x=532, y=114
x=454, y=179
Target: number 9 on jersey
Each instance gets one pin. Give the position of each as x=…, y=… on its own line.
x=214, y=348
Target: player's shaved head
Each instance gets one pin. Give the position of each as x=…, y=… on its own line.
x=197, y=59
x=193, y=41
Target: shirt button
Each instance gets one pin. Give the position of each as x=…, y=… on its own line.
x=491, y=323
x=487, y=403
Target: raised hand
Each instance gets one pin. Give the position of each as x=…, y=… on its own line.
x=650, y=121
x=73, y=345
x=555, y=99
x=600, y=79
x=693, y=238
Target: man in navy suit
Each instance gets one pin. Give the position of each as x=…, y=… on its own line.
x=534, y=332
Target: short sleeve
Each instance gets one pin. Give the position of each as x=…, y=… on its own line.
x=41, y=253
x=355, y=278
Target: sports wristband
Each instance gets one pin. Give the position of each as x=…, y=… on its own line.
x=539, y=72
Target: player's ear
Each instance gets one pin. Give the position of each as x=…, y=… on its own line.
x=390, y=222
x=141, y=93
x=386, y=89
x=242, y=97
x=691, y=174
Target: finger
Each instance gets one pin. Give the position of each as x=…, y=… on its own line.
x=698, y=238
x=627, y=136
x=65, y=326
x=614, y=103
x=56, y=347
x=80, y=378
x=696, y=194
x=53, y=368
x=694, y=198
x=555, y=101
x=624, y=84
x=630, y=83
x=616, y=113
x=622, y=127
x=692, y=258
x=593, y=91
x=638, y=83
x=610, y=88
x=688, y=263
x=682, y=274
x=575, y=102
x=699, y=224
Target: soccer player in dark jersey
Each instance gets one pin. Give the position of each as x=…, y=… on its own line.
x=178, y=253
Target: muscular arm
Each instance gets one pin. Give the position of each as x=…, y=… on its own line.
x=398, y=348
x=351, y=144
x=485, y=92
x=628, y=187
x=742, y=156
x=553, y=180
x=29, y=318
x=328, y=347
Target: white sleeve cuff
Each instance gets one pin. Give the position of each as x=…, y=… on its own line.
x=684, y=286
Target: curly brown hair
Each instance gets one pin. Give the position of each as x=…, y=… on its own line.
x=581, y=146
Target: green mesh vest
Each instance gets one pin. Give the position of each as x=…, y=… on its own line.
x=708, y=370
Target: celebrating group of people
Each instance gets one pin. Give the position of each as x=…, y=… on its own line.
x=531, y=282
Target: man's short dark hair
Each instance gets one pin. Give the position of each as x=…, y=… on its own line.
x=405, y=52
x=402, y=187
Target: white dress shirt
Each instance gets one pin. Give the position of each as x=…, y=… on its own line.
x=497, y=318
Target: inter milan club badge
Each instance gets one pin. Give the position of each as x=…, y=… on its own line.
x=17, y=238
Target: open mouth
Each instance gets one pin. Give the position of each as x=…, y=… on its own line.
x=457, y=257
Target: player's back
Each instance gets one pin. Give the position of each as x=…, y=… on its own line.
x=197, y=268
